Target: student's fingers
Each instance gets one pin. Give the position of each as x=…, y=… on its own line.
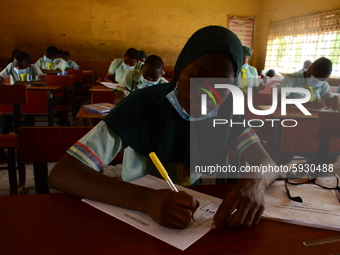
x=248, y=214
x=171, y=209
x=257, y=216
x=226, y=210
x=335, y=107
x=178, y=217
x=186, y=200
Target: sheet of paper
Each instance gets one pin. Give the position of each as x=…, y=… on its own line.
x=109, y=85
x=320, y=207
x=181, y=239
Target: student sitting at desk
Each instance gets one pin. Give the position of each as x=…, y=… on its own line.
x=159, y=119
x=306, y=65
x=21, y=72
x=50, y=64
x=119, y=66
x=149, y=75
x=70, y=64
x=142, y=56
x=270, y=73
x=248, y=76
x=314, y=79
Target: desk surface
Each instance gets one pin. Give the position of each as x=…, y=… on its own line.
x=62, y=224
x=47, y=87
x=87, y=114
x=100, y=88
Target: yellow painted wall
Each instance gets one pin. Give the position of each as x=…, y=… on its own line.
x=101, y=30
x=97, y=31
x=274, y=10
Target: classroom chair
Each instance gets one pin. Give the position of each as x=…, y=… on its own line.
x=75, y=98
x=63, y=106
x=14, y=95
x=41, y=145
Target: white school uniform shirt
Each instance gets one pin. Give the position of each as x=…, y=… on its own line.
x=33, y=73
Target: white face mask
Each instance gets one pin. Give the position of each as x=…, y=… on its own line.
x=244, y=66
x=314, y=82
x=147, y=83
x=48, y=60
x=173, y=99
x=20, y=71
x=126, y=67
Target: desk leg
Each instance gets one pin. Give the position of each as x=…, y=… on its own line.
x=276, y=141
x=50, y=114
x=40, y=178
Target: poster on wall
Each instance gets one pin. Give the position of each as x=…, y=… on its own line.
x=243, y=27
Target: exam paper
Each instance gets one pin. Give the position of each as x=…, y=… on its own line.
x=181, y=239
x=109, y=85
x=320, y=207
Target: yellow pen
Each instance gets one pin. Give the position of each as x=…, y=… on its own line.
x=164, y=173
x=162, y=170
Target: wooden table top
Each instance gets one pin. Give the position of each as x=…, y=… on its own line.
x=100, y=88
x=62, y=224
x=87, y=114
x=47, y=87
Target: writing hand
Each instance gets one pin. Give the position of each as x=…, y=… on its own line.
x=262, y=86
x=21, y=83
x=317, y=104
x=335, y=104
x=243, y=205
x=171, y=209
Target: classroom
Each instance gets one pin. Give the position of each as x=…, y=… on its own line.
x=94, y=33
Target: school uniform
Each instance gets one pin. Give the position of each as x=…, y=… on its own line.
x=57, y=63
x=248, y=77
x=297, y=80
x=131, y=81
x=71, y=65
x=152, y=120
x=116, y=68
x=33, y=73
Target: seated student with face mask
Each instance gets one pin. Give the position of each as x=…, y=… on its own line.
x=50, y=64
x=248, y=76
x=306, y=65
x=149, y=75
x=70, y=64
x=21, y=72
x=119, y=66
x=167, y=119
x=314, y=79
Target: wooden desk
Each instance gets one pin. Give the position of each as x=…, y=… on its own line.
x=62, y=224
x=87, y=114
x=90, y=74
x=101, y=94
x=39, y=101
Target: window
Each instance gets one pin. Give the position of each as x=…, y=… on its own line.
x=291, y=42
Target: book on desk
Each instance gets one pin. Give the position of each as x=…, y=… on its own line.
x=99, y=107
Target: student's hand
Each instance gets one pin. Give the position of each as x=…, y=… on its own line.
x=171, y=209
x=247, y=198
x=334, y=103
x=262, y=86
x=21, y=83
x=316, y=104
